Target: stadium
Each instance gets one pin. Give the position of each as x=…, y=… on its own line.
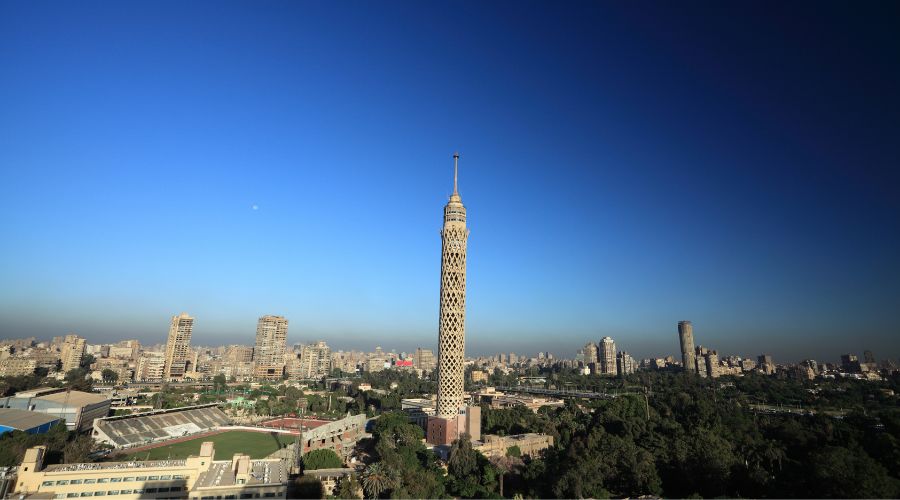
x=142, y=429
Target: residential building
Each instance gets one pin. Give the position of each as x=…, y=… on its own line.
x=315, y=362
x=178, y=347
x=271, y=343
x=71, y=352
x=607, y=355
x=686, y=339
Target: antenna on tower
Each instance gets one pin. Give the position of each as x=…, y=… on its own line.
x=455, y=170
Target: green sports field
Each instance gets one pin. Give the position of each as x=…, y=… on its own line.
x=255, y=444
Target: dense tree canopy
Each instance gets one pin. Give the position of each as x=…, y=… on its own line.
x=322, y=459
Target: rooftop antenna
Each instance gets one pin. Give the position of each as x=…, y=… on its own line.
x=455, y=171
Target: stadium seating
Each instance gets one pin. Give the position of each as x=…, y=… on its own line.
x=143, y=428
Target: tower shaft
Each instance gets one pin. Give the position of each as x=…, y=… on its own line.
x=452, y=323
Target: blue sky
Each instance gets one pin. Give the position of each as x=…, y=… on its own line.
x=625, y=166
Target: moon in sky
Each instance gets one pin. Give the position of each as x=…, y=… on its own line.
x=254, y=206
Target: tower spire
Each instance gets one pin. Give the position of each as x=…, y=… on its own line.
x=455, y=171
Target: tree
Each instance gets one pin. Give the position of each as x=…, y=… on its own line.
x=463, y=458
x=219, y=383
x=109, y=376
x=505, y=464
x=377, y=479
x=77, y=379
x=348, y=488
x=322, y=459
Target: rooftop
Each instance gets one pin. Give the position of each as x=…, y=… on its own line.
x=136, y=464
x=74, y=398
x=24, y=419
x=261, y=472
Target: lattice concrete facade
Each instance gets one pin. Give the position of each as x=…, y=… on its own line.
x=452, y=328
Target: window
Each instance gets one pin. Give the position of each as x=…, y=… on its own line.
x=47, y=483
x=126, y=492
x=99, y=493
x=141, y=478
x=90, y=481
x=72, y=495
x=150, y=490
x=112, y=492
x=116, y=480
x=61, y=483
x=60, y=495
x=103, y=480
x=138, y=492
x=163, y=490
x=165, y=478
x=153, y=478
x=269, y=495
x=75, y=481
x=246, y=495
x=127, y=479
x=87, y=494
x=177, y=476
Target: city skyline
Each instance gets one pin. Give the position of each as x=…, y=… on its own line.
x=251, y=187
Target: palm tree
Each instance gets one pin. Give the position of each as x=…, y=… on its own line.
x=505, y=464
x=377, y=479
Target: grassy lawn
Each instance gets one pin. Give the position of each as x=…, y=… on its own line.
x=255, y=444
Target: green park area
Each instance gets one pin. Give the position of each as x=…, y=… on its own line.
x=255, y=444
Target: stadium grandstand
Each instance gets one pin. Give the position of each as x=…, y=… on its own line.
x=138, y=429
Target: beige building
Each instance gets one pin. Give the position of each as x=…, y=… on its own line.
x=71, y=352
x=686, y=339
x=239, y=353
x=529, y=444
x=126, y=349
x=607, y=355
x=271, y=343
x=150, y=366
x=316, y=360
x=194, y=478
x=424, y=360
x=625, y=364
x=14, y=367
x=178, y=347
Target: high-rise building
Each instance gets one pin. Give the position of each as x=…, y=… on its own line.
x=71, y=352
x=452, y=326
x=271, y=343
x=590, y=353
x=424, y=359
x=686, y=337
x=239, y=353
x=607, y=355
x=178, y=347
x=625, y=364
x=315, y=362
x=712, y=364
x=150, y=366
x=765, y=363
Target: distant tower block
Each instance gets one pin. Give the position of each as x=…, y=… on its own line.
x=452, y=329
x=686, y=336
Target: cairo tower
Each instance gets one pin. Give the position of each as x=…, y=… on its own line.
x=453, y=416
x=452, y=331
